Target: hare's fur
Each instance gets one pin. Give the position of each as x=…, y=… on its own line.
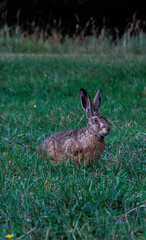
x=79, y=144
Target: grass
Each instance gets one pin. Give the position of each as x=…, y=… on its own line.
x=39, y=200
x=14, y=40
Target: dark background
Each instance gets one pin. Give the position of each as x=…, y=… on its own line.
x=73, y=16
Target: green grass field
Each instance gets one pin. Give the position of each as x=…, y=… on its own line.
x=39, y=200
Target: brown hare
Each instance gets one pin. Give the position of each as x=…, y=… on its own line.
x=78, y=145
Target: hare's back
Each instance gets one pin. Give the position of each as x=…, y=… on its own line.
x=62, y=143
x=62, y=138
x=65, y=136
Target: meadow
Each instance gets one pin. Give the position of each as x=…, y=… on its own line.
x=41, y=200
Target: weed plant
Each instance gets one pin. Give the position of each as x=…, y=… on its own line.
x=40, y=200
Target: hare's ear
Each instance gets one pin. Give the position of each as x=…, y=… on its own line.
x=97, y=101
x=86, y=102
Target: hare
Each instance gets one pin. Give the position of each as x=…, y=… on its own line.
x=80, y=144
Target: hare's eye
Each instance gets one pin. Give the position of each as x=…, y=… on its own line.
x=96, y=120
